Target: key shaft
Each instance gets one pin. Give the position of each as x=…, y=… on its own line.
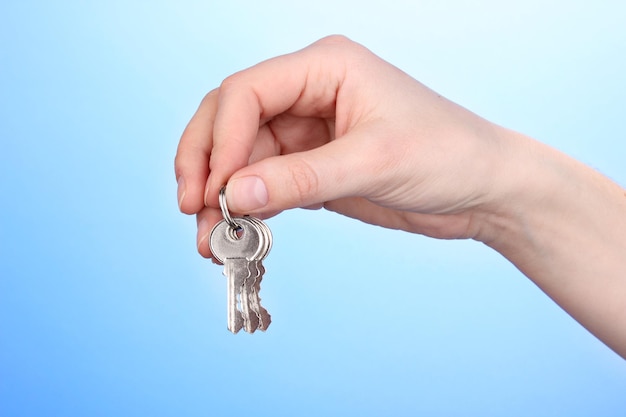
x=234, y=270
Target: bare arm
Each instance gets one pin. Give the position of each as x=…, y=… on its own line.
x=564, y=226
x=335, y=126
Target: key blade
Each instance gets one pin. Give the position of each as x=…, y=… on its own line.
x=234, y=318
x=264, y=317
x=250, y=317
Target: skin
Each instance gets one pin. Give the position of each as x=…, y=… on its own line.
x=335, y=126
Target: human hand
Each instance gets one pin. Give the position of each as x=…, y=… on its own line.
x=335, y=126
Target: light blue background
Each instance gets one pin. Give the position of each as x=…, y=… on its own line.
x=107, y=310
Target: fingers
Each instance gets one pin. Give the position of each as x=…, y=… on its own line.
x=297, y=83
x=283, y=105
x=335, y=170
x=205, y=220
x=192, y=157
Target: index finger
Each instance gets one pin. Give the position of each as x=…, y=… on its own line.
x=304, y=83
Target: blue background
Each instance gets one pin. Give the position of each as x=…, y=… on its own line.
x=106, y=309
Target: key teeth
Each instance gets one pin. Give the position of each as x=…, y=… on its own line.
x=264, y=317
x=265, y=321
x=250, y=318
x=253, y=277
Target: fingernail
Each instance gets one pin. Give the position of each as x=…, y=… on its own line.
x=206, y=195
x=181, y=191
x=248, y=193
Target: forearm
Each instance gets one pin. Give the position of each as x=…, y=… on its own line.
x=564, y=226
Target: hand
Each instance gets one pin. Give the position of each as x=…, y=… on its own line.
x=335, y=126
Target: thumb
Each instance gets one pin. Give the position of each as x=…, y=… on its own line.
x=301, y=179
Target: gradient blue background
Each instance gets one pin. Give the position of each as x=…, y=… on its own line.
x=107, y=310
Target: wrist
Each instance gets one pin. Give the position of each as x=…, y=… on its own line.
x=563, y=225
x=540, y=202
x=532, y=183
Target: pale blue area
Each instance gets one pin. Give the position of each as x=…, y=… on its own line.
x=107, y=310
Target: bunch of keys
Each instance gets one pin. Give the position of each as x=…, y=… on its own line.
x=241, y=244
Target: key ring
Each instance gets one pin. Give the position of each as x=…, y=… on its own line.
x=225, y=212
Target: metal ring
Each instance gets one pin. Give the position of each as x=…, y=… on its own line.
x=225, y=212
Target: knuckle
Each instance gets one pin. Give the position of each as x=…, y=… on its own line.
x=210, y=97
x=305, y=181
x=183, y=161
x=231, y=81
x=341, y=46
x=335, y=40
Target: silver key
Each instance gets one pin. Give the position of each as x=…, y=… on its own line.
x=251, y=318
x=236, y=249
x=255, y=316
x=255, y=286
x=255, y=300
